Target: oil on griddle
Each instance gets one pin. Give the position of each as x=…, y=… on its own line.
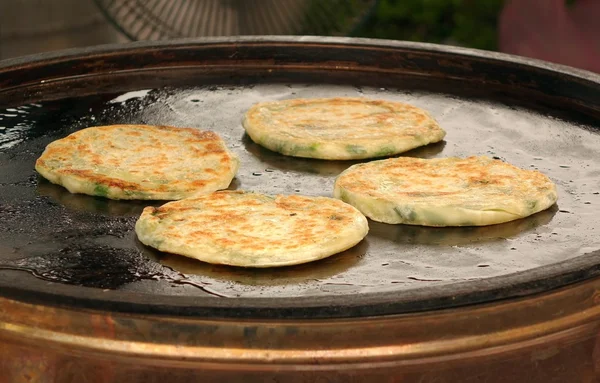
x=80, y=240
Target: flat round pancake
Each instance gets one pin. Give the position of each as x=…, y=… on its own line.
x=340, y=128
x=252, y=230
x=473, y=191
x=139, y=162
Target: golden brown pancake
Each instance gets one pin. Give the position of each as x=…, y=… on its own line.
x=340, y=128
x=139, y=162
x=473, y=191
x=252, y=230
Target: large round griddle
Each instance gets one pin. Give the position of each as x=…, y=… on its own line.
x=80, y=251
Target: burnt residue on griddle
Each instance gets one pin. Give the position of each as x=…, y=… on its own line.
x=76, y=240
x=100, y=267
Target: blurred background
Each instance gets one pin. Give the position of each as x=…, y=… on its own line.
x=561, y=31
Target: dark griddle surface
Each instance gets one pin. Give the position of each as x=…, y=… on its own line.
x=87, y=249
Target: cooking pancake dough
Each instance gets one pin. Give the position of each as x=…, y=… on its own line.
x=473, y=191
x=340, y=128
x=139, y=162
x=252, y=230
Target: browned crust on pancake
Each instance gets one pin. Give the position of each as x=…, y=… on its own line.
x=254, y=230
x=139, y=162
x=452, y=191
x=340, y=128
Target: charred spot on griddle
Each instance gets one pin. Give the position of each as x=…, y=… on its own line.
x=99, y=266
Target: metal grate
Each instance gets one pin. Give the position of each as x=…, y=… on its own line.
x=168, y=19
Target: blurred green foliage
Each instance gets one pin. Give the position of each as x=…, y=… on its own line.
x=471, y=23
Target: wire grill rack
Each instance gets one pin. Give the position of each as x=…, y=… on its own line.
x=168, y=19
